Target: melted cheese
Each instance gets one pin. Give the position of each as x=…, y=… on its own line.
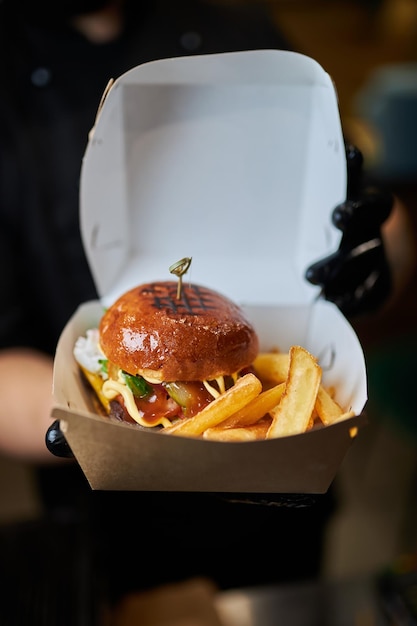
x=88, y=354
x=212, y=390
x=221, y=384
x=113, y=388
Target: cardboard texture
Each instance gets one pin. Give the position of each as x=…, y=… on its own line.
x=236, y=160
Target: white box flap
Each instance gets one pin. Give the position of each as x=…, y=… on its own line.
x=236, y=160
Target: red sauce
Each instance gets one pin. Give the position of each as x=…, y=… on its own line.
x=160, y=404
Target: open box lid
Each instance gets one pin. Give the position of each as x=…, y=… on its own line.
x=235, y=159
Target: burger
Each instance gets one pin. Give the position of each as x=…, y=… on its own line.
x=160, y=355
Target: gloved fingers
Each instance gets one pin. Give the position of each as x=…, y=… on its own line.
x=325, y=271
x=354, y=158
x=345, y=268
x=366, y=297
x=357, y=280
x=56, y=442
x=357, y=217
x=357, y=277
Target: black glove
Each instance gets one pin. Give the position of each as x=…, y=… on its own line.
x=357, y=277
x=56, y=442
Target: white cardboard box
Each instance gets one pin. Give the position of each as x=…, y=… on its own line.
x=236, y=160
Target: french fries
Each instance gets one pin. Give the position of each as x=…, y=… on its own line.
x=240, y=433
x=245, y=390
x=293, y=413
x=327, y=409
x=272, y=367
x=256, y=409
x=284, y=396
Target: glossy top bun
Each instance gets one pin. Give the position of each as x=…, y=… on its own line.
x=202, y=335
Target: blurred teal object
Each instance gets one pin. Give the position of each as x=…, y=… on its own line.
x=392, y=384
x=388, y=106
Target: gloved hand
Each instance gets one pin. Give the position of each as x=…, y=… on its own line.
x=357, y=277
x=56, y=442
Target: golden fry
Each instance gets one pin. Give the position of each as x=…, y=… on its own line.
x=256, y=409
x=328, y=410
x=248, y=433
x=272, y=366
x=293, y=400
x=234, y=399
x=293, y=413
x=345, y=416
